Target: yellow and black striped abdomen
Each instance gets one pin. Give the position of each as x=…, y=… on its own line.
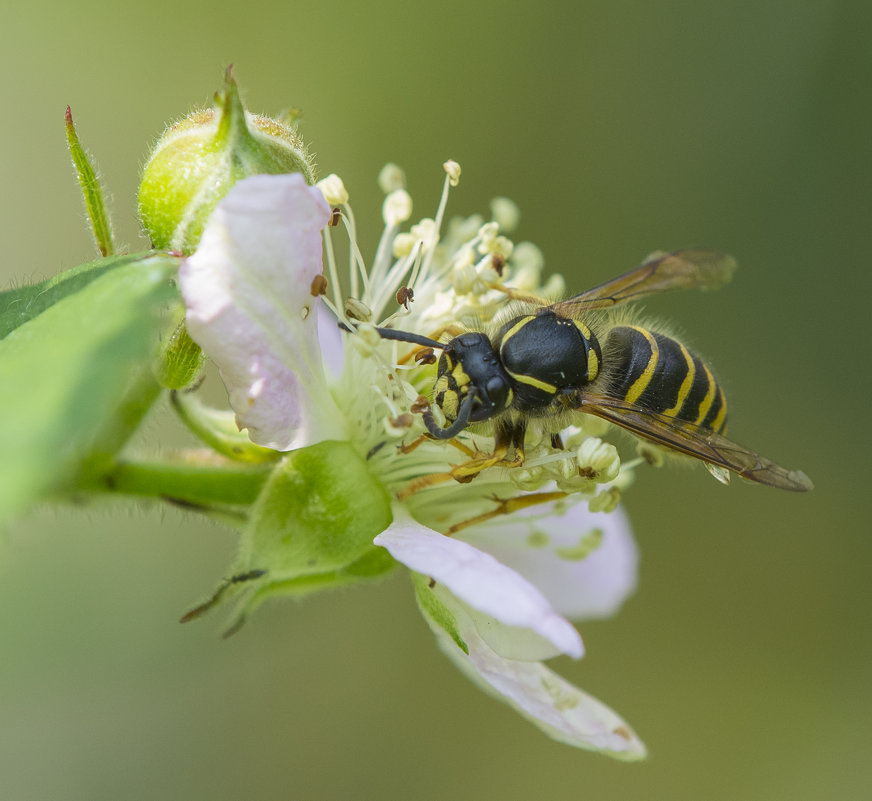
x=658, y=373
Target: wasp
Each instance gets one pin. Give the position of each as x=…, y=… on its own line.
x=551, y=360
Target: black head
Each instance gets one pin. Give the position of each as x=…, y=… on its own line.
x=471, y=384
x=470, y=361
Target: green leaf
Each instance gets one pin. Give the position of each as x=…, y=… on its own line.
x=66, y=376
x=19, y=305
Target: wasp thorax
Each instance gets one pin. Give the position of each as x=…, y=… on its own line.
x=470, y=361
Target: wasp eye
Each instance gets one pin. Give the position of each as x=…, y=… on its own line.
x=491, y=400
x=496, y=388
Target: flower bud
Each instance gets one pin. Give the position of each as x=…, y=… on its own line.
x=199, y=158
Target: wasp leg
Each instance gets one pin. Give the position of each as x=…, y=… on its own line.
x=506, y=506
x=420, y=440
x=427, y=438
x=507, y=436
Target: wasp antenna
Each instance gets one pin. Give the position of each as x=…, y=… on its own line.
x=458, y=425
x=407, y=336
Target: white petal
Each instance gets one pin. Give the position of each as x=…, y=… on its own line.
x=548, y=552
x=247, y=289
x=560, y=709
x=479, y=580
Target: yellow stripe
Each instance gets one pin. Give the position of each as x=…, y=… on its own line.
x=459, y=376
x=684, y=389
x=450, y=405
x=592, y=360
x=592, y=364
x=718, y=422
x=639, y=385
x=709, y=396
x=585, y=331
x=534, y=382
x=515, y=328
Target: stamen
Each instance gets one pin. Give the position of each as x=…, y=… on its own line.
x=440, y=214
x=391, y=177
x=405, y=296
x=387, y=287
x=355, y=259
x=330, y=258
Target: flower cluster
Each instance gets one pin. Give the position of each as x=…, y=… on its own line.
x=296, y=342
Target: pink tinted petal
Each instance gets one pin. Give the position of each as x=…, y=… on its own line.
x=332, y=345
x=249, y=306
x=546, y=552
x=479, y=580
x=560, y=709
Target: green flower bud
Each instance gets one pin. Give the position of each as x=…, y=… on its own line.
x=199, y=158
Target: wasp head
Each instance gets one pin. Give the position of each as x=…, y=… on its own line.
x=469, y=361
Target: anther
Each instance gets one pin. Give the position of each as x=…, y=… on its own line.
x=452, y=170
x=420, y=406
x=357, y=310
x=425, y=356
x=318, y=286
x=405, y=296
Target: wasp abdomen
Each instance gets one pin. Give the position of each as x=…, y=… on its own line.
x=546, y=354
x=658, y=373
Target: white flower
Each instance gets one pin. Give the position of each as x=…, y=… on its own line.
x=499, y=589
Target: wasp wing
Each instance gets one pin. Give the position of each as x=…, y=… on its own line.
x=700, y=443
x=660, y=272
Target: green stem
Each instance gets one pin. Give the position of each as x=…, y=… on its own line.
x=186, y=481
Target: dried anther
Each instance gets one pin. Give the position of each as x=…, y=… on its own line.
x=318, y=286
x=426, y=356
x=405, y=296
x=420, y=406
x=335, y=217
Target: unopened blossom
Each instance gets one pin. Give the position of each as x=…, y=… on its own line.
x=308, y=375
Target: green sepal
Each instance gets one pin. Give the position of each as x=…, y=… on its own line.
x=319, y=512
x=373, y=566
x=433, y=608
x=21, y=304
x=251, y=588
x=311, y=529
x=217, y=428
x=92, y=193
x=181, y=360
x=75, y=380
x=314, y=524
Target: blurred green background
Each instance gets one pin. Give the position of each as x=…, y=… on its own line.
x=744, y=659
